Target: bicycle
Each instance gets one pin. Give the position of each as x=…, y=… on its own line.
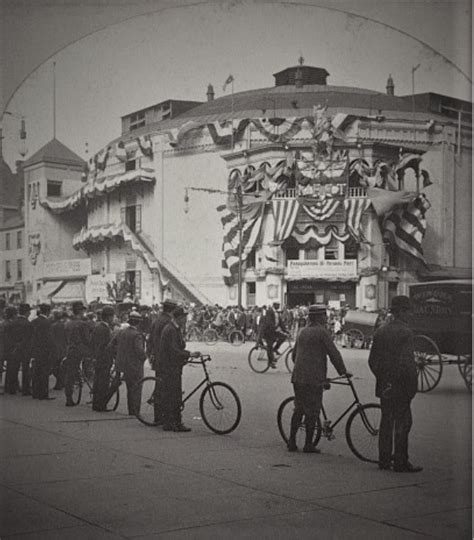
x=362, y=426
x=219, y=403
x=227, y=332
x=194, y=333
x=258, y=356
x=85, y=376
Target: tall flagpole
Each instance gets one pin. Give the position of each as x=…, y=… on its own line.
x=232, y=115
x=54, y=100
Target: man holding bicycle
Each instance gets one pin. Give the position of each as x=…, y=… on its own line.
x=313, y=345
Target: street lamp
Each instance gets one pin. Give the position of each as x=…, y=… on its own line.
x=239, y=197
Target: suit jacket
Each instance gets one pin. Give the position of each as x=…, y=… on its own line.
x=20, y=333
x=392, y=360
x=101, y=336
x=42, y=342
x=156, y=332
x=173, y=354
x=130, y=350
x=313, y=345
x=78, y=338
x=271, y=322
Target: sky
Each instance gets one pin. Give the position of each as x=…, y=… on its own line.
x=135, y=54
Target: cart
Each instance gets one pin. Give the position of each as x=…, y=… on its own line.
x=358, y=329
x=442, y=322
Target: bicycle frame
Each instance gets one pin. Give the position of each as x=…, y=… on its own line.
x=205, y=381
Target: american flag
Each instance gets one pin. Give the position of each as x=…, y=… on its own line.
x=405, y=227
x=322, y=209
x=355, y=207
x=285, y=212
x=252, y=216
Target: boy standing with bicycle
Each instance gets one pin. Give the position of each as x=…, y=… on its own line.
x=313, y=345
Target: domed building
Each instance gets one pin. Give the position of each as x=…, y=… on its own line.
x=302, y=192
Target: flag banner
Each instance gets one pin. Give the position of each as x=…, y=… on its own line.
x=285, y=212
x=221, y=132
x=252, y=217
x=101, y=159
x=320, y=210
x=405, y=227
x=281, y=133
x=176, y=135
x=311, y=234
x=145, y=146
x=355, y=207
x=385, y=201
x=120, y=152
x=230, y=79
x=408, y=161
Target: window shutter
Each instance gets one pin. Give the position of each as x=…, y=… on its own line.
x=123, y=217
x=138, y=284
x=138, y=218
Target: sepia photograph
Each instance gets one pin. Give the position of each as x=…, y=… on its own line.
x=236, y=269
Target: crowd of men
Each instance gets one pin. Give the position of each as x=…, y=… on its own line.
x=56, y=342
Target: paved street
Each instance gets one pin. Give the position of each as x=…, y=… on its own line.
x=75, y=474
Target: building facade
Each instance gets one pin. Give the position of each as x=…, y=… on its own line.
x=295, y=181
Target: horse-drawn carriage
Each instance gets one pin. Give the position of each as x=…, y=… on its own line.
x=442, y=322
x=358, y=329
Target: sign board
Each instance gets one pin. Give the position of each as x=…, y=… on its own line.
x=67, y=268
x=96, y=287
x=329, y=270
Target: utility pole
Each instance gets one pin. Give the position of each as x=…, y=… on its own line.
x=239, y=197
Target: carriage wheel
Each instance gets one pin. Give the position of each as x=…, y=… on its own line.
x=466, y=371
x=429, y=363
x=353, y=338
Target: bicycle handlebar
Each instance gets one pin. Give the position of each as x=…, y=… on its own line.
x=200, y=359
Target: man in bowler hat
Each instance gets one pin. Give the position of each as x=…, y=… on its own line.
x=392, y=361
x=42, y=353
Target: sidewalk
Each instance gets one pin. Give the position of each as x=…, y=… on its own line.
x=70, y=473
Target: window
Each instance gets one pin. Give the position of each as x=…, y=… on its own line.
x=292, y=254
x=19, y=269
x=251, y=289
x=132, y=216
x=251, y=259
x=350, y=250
x=53, y=188
x=331, y=251
x=137, y=120
x=19, y=240
x=7, y=240
x=8, y=274
x=131, y=165
x=310, y=254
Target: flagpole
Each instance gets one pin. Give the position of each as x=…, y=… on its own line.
x=54, y=100
x=232, y=115
x=413, y=69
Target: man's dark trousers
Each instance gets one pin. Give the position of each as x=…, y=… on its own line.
x=394, y=429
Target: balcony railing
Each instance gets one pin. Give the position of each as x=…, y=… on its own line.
x=295, y=192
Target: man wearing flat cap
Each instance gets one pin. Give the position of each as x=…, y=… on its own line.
x=392, y=361
x=313, y=345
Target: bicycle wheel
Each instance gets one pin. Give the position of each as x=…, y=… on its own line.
x=210, y=336
x=193, y=334
x=236, y=337
x=258, y=359
x=429, y=364
x=148, y=386
x=114, y=401
x=285, y=412
x=220, y=408
x=362, y=432
x=466, y=372
x=88, y=370
x=289, y=360
x=78, y=382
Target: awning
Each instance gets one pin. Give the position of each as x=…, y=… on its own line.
x=70, y=291
x=48, y=289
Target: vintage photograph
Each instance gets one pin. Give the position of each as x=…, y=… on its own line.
x=236, y=269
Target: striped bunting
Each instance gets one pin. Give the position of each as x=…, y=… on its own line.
x=322, y=209
x=252, y=216
x=311, y=233
x=405, y=227
x=285, y=212
x=355, y=207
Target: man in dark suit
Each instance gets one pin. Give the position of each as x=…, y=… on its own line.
x=42, y=353
x=163, y=318
x=101, y=336
x=273, y=332
x=21, y=348
x=313, y=345
x=129, y=349
x=10, y=362
x=58, y=327
x=173, y=356
x=78, y=348
x=392, y=361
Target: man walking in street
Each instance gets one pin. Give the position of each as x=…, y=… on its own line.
x=20, y=331
x=392, y=361
x=10, y=362
x=58, y=328
x=42, y=353
x=129, y=349
x=78, y=348
x=101, y=336
x=173, y=356
x=313, y=346
x=273, y=332
x=163, y=318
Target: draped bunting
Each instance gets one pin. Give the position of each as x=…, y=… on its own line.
x=354, y=208
x=320, y=210
x=311, y=232
x=221, y=132
x=98, y=188
x=252, y=217
x=385, y=201
x=405, y=227
x=145, y=145
x=120, y=152
x=176, y=135
x=279, y=132
x=285, y=212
